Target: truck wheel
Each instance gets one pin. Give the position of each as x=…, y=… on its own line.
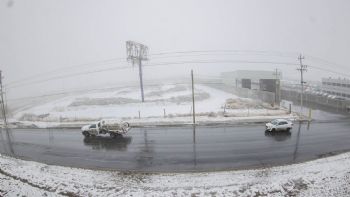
x=113, y=135
x=86, y=134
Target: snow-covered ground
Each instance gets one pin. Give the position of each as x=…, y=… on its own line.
x=164, y=104
x=323, y=177
x=169, y=121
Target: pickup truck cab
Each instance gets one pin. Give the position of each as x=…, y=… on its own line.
x=279, y=125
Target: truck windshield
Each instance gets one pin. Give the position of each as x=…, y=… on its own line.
x=93, y=126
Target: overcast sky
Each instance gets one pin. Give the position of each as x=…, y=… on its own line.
x=40, y=36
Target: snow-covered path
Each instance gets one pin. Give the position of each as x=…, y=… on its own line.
x=323, y=177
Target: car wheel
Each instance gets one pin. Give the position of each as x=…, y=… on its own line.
x=273, y=130
x=288, y=129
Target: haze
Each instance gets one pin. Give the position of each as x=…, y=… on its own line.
x=43, y=39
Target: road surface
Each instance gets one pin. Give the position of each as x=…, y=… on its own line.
x=179, y=149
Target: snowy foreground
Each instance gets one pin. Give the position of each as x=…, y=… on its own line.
x=323, y=177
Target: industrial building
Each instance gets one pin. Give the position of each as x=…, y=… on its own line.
x=253, y=79
x=337, y=87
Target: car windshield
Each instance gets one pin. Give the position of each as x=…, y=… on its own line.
x=274, y=122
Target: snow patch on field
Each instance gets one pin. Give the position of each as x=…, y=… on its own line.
x=168, y=121
x=322, y=177
x=164, y=102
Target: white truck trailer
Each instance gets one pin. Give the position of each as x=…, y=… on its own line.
x=106, y=126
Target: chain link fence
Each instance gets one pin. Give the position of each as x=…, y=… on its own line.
x=318, y=100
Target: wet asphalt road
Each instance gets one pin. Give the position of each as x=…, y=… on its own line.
x=179, y=149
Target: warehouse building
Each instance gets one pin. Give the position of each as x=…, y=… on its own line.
x=337, y=87
x=253, y=79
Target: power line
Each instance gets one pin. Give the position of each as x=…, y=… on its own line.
x=13, y=84
x=330, y=71
x=149, y=65
x=96, y=63
x=222, y=61
x=100, y=89
x=114, y=87
x=24, y=83
x=70, y=75
x=185, y=54
x=208, y=53
x=173, y=63
x=155, y=56
x=326, y=62
x=220, y=51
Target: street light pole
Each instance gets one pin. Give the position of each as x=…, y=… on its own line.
x=193, y=105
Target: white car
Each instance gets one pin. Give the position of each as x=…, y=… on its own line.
x=279, y=125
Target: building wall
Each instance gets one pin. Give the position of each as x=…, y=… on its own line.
x=236, y=79
x=337, y=87
x=247, y=83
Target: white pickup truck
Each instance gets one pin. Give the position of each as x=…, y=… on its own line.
x=106, y=126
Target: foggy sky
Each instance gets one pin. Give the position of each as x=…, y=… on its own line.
x=40, y=36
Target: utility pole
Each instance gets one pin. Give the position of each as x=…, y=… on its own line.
x=2, y=101
x=278, y=87
x=193, y=108
x=141, y=80
x=302, y=69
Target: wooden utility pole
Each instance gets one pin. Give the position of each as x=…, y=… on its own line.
x=2, y=101
x=278, y=87
x=302, y=69
x=193, y=108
